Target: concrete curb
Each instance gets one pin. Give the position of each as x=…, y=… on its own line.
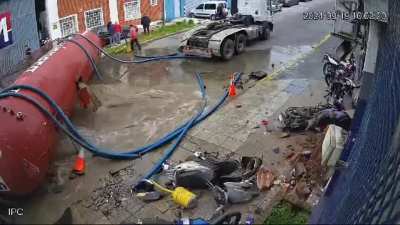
x=169, y=35
x=156, y=39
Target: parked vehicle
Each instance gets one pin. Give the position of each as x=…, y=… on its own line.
x=288, y=3
x=334, y=69
x=274, y=6
x=226, y=38
x=208, y=9
x=340, y=89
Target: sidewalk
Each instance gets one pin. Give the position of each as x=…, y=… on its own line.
x=230, y=131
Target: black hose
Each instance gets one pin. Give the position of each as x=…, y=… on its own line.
x=91, y=60
x=157, y=58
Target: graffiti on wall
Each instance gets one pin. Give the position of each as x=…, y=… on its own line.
x=5, y=30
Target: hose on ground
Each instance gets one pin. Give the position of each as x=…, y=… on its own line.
x=168, y=153
x=154, y=56
x=73, y=133
x=147, y=59
x=91, y=60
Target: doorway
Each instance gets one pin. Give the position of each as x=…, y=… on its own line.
x=41, y=20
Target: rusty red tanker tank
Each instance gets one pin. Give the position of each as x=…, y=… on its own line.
x=28, y=137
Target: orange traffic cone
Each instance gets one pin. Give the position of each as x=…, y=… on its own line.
x=232, y=88
x=79, y=167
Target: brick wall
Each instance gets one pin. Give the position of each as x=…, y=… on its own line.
x=71, y=7
x=154, y=12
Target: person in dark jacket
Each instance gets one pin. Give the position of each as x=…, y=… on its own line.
x=145, y=21
x=327, y=117
x=110, y=29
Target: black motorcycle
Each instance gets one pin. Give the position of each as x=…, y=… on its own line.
x=339, y=89
x=336, y=70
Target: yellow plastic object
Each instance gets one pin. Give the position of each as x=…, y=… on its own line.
x=184, y=197
x=128, y=48
x=180, y=195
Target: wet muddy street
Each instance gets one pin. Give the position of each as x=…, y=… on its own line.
x=142, y=102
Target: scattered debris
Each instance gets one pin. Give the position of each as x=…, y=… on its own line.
x=264, y=122
x=303, y=190
x=258, y=75
x=238, y=106
x=296, y=118
x=300, y=170
x=284, y=135
x=306, y=154
x=290, y=147
x=277, y=182
x=112, y=192
x=240, y=192
x=114, y=172
x=292, y=157
x=265, y=178
x=276, y=150
x=149, y=196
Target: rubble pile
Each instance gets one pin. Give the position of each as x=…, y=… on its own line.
x=112, y=191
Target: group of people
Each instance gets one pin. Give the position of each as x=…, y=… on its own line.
x=115, y=31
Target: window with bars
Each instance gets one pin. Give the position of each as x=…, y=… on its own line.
x=153, y=2
x=94, y=18
x=68, y=25
x=132, y=10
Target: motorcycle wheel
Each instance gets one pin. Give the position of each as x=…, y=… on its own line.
x=328, y=69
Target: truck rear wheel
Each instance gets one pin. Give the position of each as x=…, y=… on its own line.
x=240, y=44
x=227, y=49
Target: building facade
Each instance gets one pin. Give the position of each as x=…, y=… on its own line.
x=69, y=16
x=18, y=31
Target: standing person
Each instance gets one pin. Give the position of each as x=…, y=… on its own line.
x=134, y=40
x=220, y=11
x=110, y=29
x=145, y=21
x=117, y=32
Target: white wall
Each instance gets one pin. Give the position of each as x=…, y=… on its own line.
x=375, y=32
x=53, y=19
x=113, y=4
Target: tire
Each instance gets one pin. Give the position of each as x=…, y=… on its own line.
x=328, y=80
x=240, y=43
x=227, y=49
x=191, y=15
x=212, y=17
x=327, y=69
x=266, y=34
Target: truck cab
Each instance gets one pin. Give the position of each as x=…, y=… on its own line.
x=258, y=9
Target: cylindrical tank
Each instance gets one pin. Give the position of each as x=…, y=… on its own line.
x=27, y=137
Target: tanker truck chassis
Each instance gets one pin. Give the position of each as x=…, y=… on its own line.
x=224, y=39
